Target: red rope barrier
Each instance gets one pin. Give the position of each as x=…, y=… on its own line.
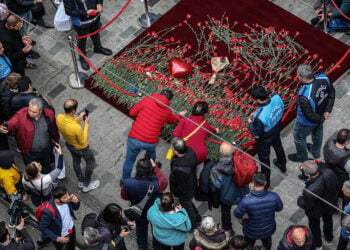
x=100, y=74
x=336, y=6
x=107, y=24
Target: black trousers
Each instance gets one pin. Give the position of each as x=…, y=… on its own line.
x=71, y=243
x=81, y=31
x=226, y=217
x=192, y=211
x=342, y=243
x=315, y=227
x=263, y=148
x=267, y=243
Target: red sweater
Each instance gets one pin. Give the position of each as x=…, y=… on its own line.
x=150, y=116
x=25, y=128
x=196, y=141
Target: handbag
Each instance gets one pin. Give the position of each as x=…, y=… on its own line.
x=62, y=21
x=134, y=212
x=170, y=152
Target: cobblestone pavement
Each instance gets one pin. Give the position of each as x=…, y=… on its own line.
x=109, y=127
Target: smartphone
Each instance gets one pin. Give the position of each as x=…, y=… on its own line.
x=86, y=114
x=5, y=125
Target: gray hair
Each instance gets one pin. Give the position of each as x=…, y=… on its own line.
x=36, y=102
x=91, y=235
x=346, y=186
x=346, y=222
x=208, y=224
x=305, y=71
x=310, y=168
x=178, y=145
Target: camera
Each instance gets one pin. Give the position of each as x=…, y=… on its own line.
x=16, y=209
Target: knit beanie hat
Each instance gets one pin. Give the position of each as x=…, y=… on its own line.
x=208, y=224
x=6, y=159
x=3, y=11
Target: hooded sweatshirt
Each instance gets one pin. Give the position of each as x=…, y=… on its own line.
x=169, y=228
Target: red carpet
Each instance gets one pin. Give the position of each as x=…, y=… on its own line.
x=252, y=12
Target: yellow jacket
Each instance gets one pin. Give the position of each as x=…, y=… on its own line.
x=72, y=131
x=9, y=178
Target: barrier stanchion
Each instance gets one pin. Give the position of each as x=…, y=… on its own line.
x=325, y=14
x=148, y=18
x=75, y=79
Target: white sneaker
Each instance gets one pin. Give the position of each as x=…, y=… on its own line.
x=80, y=184
x=93, y=185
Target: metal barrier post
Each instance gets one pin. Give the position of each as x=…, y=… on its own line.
x=325, y=16
x=75, y=79
x=148, y=18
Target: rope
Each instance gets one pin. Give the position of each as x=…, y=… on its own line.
x=100, y=74
x=336, y=6
x=107, y=24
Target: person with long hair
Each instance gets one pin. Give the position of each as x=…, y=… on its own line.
x=170, y=223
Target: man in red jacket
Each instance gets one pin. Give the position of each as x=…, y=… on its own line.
x=150, y=115
x=35, y=128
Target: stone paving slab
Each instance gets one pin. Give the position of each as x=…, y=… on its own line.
x=109, y=127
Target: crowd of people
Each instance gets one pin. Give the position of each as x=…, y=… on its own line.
x=164, y=203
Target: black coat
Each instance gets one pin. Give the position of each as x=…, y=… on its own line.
x=335, y=159
x=13, y=45
x=310, y=203
x=20, y=6
x=27, y=244
x=217, y=241
x=330, y=189
x=182, y=179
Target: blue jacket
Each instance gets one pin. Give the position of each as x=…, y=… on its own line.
x=266, y=119
x=260, y=206
x=344, y=232
x=170, y=229
x=221, y=178
x=5, y=67
x=314, y=99
x=53, y=227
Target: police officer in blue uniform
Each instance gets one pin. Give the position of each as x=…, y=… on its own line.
x=264, y=124
x=85, y=16
x=314, y=105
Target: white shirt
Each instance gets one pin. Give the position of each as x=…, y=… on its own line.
x=67, y=220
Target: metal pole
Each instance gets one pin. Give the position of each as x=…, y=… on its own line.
x=148, y=18
x=76, y=78
x=325, y=16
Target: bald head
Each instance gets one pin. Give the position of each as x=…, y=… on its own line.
x=299, y=236
x=70, y=106
x=226, y=149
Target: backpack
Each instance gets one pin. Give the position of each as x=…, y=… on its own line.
x=245, y=168
x=89, y=220
x=40, y=210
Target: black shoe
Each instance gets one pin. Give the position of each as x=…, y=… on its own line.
x=43, y=243
x=84, y=64
x=294, y=158
x=33, y=43
x=281, y=167
x=104, y=51
x=31, y=66
x=33, y=55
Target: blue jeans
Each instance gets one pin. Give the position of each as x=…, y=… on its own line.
x=27, y=17
x=142, y=233
x=133, y=148
x=300, y=133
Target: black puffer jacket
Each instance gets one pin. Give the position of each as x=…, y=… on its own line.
x=217, y=241
x=182, y=177
x=335, y=159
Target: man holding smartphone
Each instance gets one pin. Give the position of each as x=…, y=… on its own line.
x=77, y=143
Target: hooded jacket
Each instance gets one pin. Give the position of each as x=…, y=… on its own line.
x=287, y=243
x=182, y=179
x=336, y=159
x=221, y=178
x=150, y=116
x=170, y=229
x=217, y=241
x=260, y=207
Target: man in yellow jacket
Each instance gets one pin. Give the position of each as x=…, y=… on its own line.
x=77, y=143
x=9, y=173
